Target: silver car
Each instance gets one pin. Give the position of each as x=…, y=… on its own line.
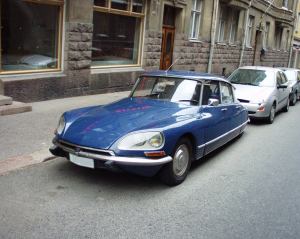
x=262, y=90
x=293, y=76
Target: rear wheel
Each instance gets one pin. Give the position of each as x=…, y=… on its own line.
x=271, y=117
x=176, y=171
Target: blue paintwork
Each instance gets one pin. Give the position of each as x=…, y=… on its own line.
x=103, y=126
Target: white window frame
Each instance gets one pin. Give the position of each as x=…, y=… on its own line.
x=195, y=25
x=250, y=26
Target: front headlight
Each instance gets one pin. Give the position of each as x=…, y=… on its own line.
x=61, y=125
x=142, y=141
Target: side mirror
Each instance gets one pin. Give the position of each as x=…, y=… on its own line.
x=282, y=86
x=213, y=102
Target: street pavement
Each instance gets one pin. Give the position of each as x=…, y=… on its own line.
x=247, y=189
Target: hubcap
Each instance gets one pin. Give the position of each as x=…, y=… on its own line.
x=181, y=160
x=272, y=113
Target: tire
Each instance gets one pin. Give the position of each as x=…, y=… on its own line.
x=287, y=107
x=175, y=172
x=272, y=114
x=293, y=99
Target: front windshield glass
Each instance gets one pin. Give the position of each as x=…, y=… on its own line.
x=253, y=77
x=291, y=76
x=168, y=89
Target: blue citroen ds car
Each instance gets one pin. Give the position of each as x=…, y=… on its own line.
x=169, y=120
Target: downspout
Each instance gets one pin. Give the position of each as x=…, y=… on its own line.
x=245, y=33
x=292, y=38
x=213, y=34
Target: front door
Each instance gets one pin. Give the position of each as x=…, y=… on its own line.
x=168, y=33
x=167, y=47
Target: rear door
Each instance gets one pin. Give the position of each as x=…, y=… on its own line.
x=283, y=93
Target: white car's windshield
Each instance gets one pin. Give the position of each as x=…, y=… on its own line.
x=168, y=89
x=253, y=77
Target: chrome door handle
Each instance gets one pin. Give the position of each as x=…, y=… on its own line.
x=224, y=109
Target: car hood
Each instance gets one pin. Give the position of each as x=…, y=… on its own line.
x=100, y=126
x=253, y=94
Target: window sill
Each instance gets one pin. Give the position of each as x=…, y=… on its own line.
x=249, y=47
x=221, y=43
x=195, y=40
x=30, y=76
x=116, y=70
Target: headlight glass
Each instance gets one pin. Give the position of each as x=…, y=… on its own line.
x=61, y=125
x=142, y=141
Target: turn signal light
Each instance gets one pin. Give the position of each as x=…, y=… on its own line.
x=261, y=108
x=155, y=154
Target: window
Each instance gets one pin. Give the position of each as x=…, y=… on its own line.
x=195, y=19
x=278, y=37
x=266, y=35
x=30, y=36
x=287, y=37
x=210, y=91
x=234, y=18
x=249, y=31
x=222, y=20
x=285, y=3
x=117, y=32
x=226, y=93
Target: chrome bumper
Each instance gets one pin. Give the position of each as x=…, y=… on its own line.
x=110, y=157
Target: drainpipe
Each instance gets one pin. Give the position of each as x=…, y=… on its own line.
x=213, y=34
x=292, y=38
x=245, y=33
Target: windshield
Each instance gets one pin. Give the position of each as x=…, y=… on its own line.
x=168, y=89
x=291, y=76
x=253, y=77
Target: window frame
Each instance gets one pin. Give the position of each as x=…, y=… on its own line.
x=250, y=28
x=129, y=13
x=195, y=25
x=60, y=4
x=266, y=35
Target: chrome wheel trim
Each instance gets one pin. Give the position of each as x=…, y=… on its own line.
x=181, y=160
x=272, y=113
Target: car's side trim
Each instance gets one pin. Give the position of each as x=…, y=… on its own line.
x=136, y=161
x=223, y=135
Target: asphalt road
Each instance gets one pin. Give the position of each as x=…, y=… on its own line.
x=248, y=189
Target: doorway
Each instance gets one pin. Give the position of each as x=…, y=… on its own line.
x=168, y=34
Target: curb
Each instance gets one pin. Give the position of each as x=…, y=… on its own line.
x=18, y=162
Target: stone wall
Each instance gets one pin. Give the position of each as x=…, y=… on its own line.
x=152, y=50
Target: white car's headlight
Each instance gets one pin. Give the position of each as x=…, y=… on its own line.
x=61, y=125
x=142, y=141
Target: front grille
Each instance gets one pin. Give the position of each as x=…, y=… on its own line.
x=243, y=101
x=77, y=148
x=251, y=112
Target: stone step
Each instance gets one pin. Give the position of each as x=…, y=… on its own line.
x=15, y=108
x=5, y=100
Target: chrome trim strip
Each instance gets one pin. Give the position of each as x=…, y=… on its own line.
x=136, y=161
x=229, y=132
x=84, y=147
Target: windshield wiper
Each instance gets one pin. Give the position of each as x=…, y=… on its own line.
x=152, y=94
x=194, y=101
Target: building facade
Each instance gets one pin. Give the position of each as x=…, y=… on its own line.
x=60, y=48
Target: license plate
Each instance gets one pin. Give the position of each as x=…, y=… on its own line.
x=81, y=161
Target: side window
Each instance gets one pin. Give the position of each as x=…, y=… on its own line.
x=211, y=90
x=284, y=79
x=298, y=76
x=226, y=93
x=278, y=79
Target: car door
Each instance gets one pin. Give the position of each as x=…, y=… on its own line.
x=284, y=92
x=213, y=117
x=280, y=93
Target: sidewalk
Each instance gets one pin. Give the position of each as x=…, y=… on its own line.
x=27, y=136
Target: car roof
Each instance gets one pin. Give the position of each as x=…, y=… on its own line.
x=288, y=69
x=263, y=68
x=193, y=75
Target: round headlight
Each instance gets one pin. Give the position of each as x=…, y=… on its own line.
x=142, y=141
x=61, y=125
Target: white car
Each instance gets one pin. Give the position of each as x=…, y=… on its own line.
x=262, y=90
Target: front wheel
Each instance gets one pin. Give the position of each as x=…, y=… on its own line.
x=176, y=171
x=287, y=106
x=294, y=99
x=272, y=114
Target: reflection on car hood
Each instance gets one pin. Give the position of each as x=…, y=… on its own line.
x=253, y=94
x=101, y=126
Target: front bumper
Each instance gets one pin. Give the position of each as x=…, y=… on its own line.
x=62, y=148
x=253, y=110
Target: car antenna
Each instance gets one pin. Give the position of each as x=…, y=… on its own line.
x=171, y=65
